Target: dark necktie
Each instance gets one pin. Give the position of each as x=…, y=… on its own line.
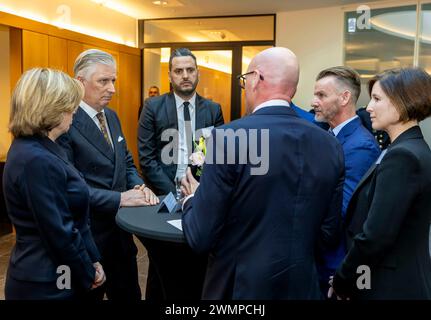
x=103, y=128
x=331, y=132
x=188, y=128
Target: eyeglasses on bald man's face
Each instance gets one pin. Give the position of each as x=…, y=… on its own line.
x=242, y=78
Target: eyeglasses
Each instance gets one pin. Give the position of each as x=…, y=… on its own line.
x=241, y=78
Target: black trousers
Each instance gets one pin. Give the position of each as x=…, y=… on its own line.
x=118, y=252
x=175, y=271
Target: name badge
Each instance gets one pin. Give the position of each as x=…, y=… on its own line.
x=168, y=204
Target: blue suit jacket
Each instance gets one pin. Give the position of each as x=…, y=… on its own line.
x=261, y=230
x=360, y=152
x=48, y=203
x=108, y=172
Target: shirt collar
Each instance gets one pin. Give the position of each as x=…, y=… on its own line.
x=338, y=128
x=179, y=101
x=89, y=109
x=274, y=102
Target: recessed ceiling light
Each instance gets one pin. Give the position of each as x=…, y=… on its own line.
x=160, y=2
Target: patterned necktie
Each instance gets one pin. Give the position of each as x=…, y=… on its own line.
x=188, y=128
x=331, y=132
x=103, y=128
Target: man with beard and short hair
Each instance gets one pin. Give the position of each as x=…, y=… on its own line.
x=181, y=112
x=335, y=95
x=170, y=111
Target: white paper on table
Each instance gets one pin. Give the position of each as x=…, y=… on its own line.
x=176, y=223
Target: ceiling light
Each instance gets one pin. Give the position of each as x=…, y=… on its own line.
x=160, y=2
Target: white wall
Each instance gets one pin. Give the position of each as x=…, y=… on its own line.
x=5, y=138
x=316, y=37
x=84, y=16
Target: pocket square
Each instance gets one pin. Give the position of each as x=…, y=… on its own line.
x=120, y=138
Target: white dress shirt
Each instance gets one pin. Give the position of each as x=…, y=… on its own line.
x=92, y=114
x=269, y=103
x=183, y=160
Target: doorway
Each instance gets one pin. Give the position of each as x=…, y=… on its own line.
x=223, y=47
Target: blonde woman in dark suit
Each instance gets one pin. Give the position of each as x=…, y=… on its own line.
x=388, y=218
x=47, y=200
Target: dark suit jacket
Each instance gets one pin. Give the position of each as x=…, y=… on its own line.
x=108, y=172
x=388, y=223
x=48, y=203
x=160, y=114
x=261, y=230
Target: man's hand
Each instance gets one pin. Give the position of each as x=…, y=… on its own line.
x=149, y=195
x=100, y=277
x=189, y=184
x=133, y=198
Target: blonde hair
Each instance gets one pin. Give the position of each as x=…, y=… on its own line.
x=40, y=99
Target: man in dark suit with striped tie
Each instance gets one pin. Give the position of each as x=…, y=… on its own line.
x=95, y=145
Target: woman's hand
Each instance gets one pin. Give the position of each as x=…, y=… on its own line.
x=100, y=277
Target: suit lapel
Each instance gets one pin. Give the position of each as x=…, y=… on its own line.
x=171, y=111
x=115, y=131
x=365, y=178
x=88, y=129
x=200, y=114
x=347, y=130
x=53, y=148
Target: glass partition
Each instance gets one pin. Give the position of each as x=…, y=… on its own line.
x=386, y=40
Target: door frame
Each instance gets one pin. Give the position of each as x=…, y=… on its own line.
x=234, y=46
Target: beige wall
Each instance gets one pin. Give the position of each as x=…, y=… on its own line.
x=316, y=37
x=86, y=17
x=5, y=138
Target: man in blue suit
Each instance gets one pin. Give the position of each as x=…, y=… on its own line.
x=96, y=146
x=261, y=220
x=335, y=95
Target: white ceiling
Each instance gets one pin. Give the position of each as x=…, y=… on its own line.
x=145, y=9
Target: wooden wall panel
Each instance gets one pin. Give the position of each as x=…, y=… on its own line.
x=73, y=50
x=130, y=99
x=27, y=24
x=57, y=53
x=15, y=47
x=34, y=50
